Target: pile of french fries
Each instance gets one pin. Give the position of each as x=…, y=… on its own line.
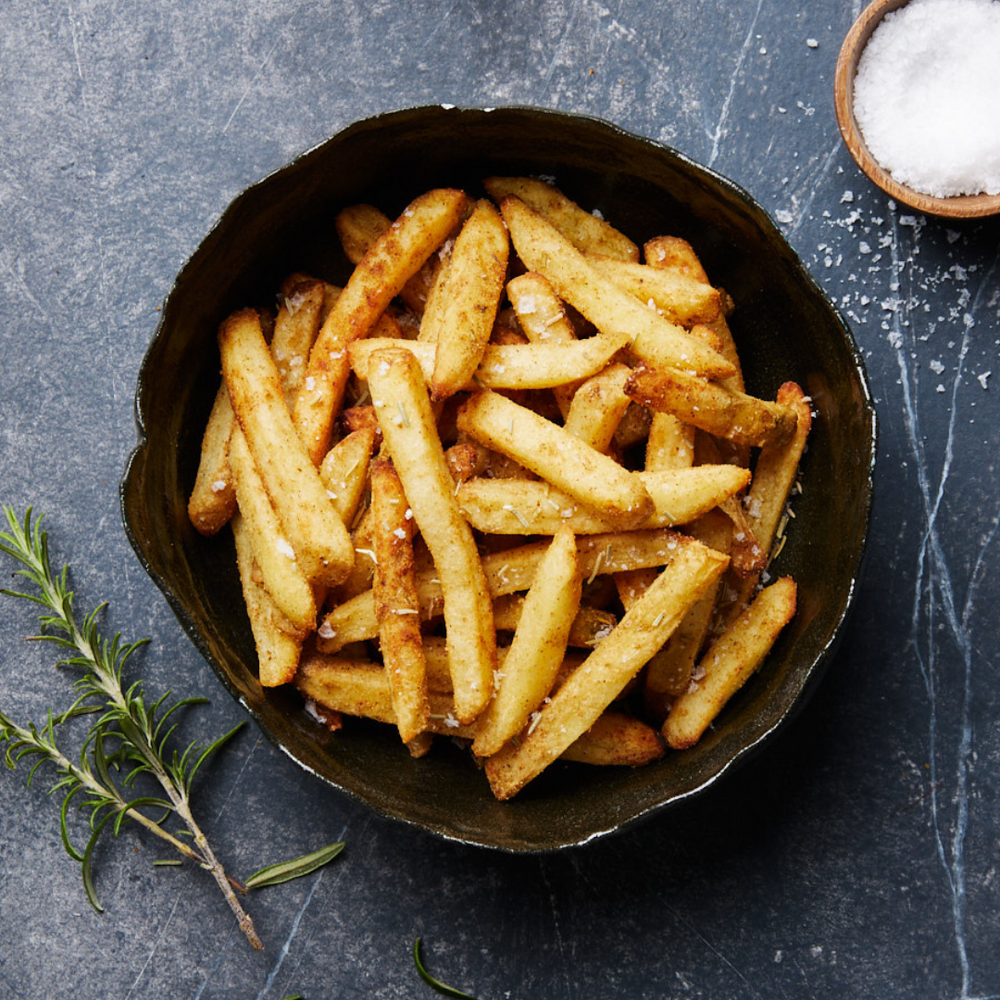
x=498, y=487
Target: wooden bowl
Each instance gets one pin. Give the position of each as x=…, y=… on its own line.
x=970, y=206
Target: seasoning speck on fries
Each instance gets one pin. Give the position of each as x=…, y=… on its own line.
x=505, y=485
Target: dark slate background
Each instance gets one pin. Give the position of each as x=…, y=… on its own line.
x=855, y=857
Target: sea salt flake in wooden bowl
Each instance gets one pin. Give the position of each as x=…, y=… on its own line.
x=916, y=95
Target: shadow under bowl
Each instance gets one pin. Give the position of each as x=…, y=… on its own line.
x=785, y=329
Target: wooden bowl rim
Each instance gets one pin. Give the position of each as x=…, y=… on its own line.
x=969, y=206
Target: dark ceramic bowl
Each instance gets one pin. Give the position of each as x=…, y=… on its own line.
x=785, y=329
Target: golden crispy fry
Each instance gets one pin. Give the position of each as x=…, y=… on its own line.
x=213, y=499
x=281, y=574
x=471, y=296
x=520, y=507
x=543, y=319
x=538, y=647
x=677, y=255
x=601, y=301
x=670, y=444
x=311, y=525
x=774, y=476
x=359, y=227
x=557, y=456
x=466, y=460
x=674, y=254
x=729, y=662
x=598, y=407
x=713, y=408
x=360, y=687
x=588, y=628
x=582, y=228
x=579, y=702
x=295, y=329
x=678, y=298
x=396, y=605
x=344, y=471
x=400, y=397
x=394, y=258
x=277, y=650
x=506, y=366
x=668, y=673
x=617, y=739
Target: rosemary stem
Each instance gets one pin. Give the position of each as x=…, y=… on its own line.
x=219, y=874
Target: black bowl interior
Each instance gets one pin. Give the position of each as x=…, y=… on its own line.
x=785, y=329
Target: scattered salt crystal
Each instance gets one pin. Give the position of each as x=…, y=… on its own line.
x=925, y=96
x=847, y=197
x=983, y=377
x=812, y=43
x=310, y=383
x=325, y=631
x=399, y=532
x=218, y=486
x=285, y=549
x=936, y=367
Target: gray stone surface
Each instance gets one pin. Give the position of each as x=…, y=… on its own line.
x=855, y=857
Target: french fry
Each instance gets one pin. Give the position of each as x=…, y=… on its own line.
x=538, y=646
x=396, y=605
x=557, y=456
x=407, y=423
x=588, y=628
x=312, y=527
x=668, y=672
x=543, y=319
x=394, y=258
x=278, y=651
x=617, y=739
x=676, y=297
x=598, y=406
x=600, y=300
x=281, y=574
x=767, y=499
x=344, y=471
x=713, y=408
x=213, y=498
x=729, y=662
x=670, y=444
x=595, y=684
x=506, y=366
x=471, y=296
x=359, y=227
x=295, y=329
x=673, y=253
x=361, y=687
x=521, y=507
x=584, y=229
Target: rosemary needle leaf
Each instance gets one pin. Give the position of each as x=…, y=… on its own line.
x=167, y=863
x=285, y=871
x=436, y=984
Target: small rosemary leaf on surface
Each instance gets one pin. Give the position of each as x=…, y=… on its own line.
x=285, y=871
x=167, y=863
x=435, y=984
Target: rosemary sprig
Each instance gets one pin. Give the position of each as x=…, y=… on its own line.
x=129, y=738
